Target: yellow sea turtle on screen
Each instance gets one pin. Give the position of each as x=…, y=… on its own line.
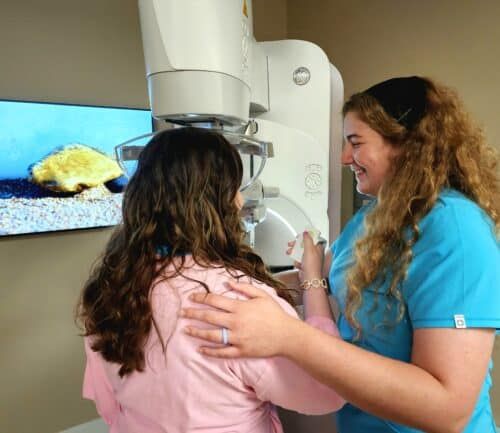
x=73, y=168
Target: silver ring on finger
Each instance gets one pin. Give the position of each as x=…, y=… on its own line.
x=225, y=336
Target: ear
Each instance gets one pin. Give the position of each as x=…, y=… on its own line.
x=239, y=200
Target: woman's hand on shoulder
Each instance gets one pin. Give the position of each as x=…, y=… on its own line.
x=257, y=327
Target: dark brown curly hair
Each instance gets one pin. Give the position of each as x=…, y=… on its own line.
x=182, y=196
x=444, y=150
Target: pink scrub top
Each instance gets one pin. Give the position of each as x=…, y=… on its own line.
x=182, y=391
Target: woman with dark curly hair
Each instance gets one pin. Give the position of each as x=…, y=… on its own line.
x=415, y=273
x=182, y=234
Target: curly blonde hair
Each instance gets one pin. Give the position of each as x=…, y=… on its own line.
x=445, y=149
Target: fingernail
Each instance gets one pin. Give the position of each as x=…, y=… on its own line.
x=182, y=313
x=187, y=330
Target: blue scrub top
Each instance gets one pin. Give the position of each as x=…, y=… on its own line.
x=453, y=281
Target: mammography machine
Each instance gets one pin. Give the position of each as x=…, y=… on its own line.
x=278, y=102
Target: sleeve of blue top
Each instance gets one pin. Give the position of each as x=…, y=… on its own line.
x=454, y=277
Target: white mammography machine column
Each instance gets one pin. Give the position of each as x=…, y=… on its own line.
x=204, y=67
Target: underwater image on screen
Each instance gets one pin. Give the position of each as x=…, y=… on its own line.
x=57, y=167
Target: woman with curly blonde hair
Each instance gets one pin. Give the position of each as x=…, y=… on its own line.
x=415, y=273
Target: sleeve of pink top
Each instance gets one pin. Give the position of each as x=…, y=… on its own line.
x=285, y=384
x=96, y=386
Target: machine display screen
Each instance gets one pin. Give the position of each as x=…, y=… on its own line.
x=57, y=166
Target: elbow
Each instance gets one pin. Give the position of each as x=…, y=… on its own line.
x=453, y=415
x=459, y=424
x=456, y=428
x=460, y=418
x=452, y=424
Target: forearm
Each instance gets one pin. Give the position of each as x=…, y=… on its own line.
x=387, y=388
x=315, y=299
x=316, y=303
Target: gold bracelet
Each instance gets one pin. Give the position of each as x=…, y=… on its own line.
x=314, y=283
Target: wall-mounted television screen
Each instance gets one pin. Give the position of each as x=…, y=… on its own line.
x=57, y=167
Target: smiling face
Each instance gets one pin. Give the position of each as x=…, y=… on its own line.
x=367, y=153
